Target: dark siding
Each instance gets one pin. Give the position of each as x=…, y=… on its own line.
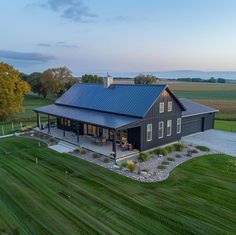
x=197, y=123
x=153, y=116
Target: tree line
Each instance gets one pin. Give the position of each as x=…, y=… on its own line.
x=210, y=80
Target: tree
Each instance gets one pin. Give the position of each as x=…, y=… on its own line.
x=212, y=80
x=89, y=78
x=12, y=91
x=56, y=81
x=221, y=80
x=145, y=79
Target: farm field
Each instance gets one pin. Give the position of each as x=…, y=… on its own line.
x=225, y=125
x=198, y=198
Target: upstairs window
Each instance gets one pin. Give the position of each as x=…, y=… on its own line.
x=178, y=125
x=169, y=127
x=160, y=130
x=161, y=107
x=149, y=132
x=169, y=106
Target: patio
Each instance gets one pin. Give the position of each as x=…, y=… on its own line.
x=87, y=142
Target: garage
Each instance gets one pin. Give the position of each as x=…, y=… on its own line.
x=197, y=117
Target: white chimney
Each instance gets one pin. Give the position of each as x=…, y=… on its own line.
x=108, y=81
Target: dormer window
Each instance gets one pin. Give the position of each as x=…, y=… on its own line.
x=169, y=106
x=161, y=107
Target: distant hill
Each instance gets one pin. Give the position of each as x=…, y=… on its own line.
x=183, y=74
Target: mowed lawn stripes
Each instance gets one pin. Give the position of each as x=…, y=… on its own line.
x=198, y=198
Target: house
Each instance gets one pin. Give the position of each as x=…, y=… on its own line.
x=125, y=116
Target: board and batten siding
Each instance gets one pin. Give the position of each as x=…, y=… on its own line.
x=154, y=117
x=197, y=123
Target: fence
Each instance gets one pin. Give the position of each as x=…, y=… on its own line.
x=9, y=128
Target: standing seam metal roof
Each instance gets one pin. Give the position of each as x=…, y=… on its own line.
x=131, y=100
x=193, y=108
x=102, y=119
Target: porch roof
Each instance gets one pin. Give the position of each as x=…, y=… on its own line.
x=109, y=120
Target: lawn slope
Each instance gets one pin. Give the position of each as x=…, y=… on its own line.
x=198, y=198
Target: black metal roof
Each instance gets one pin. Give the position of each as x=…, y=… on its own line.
x=102, y=119
x=131, y=100
x=193, y=108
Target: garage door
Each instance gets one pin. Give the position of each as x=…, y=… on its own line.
x=191, y=125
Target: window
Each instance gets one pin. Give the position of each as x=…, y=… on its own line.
x=178, y=125
x=169, y=106
x=161, y=107
x=160, y=130
x=169, y=124
x=149, y=132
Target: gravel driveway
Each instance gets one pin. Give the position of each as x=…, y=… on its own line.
x=221, y=141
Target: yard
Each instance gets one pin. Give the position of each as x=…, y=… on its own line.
x=198, y=198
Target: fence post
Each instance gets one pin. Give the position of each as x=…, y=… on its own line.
x=2, y=130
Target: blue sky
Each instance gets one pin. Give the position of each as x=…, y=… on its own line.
x=98, y=36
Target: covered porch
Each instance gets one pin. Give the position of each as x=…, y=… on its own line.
x=111, y=135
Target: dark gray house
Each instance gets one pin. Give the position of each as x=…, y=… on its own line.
x=130, y=117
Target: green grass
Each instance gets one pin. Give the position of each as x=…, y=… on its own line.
x=225, y=125
x=198, y=198
x=209, y=94
x=202, y=148
x=30, y=103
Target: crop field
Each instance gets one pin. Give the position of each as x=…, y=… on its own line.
x=198, y=198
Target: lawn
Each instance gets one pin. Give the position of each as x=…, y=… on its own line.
x=225, y=125
x=30, y=103
x=198, y=198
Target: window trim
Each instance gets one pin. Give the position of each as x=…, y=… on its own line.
x=180, y=125
x=169, y=121
x=162, y=132
x=149, y=130
x=170, y=106
x=161, y=107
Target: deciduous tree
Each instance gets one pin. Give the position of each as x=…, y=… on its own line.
x=12, y=91
x=89, y=78
x=145, y=79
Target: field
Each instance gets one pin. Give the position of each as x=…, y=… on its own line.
x=27, y=118
x=198, y=198
x=225, y=125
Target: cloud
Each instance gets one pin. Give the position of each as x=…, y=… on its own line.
x=57, y=44
x=73, y=10
x=26, y=56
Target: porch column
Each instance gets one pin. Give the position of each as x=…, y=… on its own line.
x=37, y=115
x=64, y=127
x=114, y=145
x=48, y=124
x=77, y=126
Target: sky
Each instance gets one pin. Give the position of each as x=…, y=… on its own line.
x=118, y=36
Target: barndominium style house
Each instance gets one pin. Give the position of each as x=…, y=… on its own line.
x=120, y=119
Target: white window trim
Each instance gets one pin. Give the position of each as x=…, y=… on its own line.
x=169, y=121
x=162, y=131
x=170, y=106
x=161, y=107
x=149, y=126
x=179, y=124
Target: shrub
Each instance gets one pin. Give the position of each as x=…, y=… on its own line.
x=106, y=160
x=179, y=147
x=124, y=165
x=203, y=148
x=80, y=150
x=194, y=151
x=143, y=157
x=161, y=167
x=178, y=156
x=131, y=165
x=171, y=159
x=96, y=155
x=160, y=151
x=169, y=149
x=145, y=170
x=165, y=163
